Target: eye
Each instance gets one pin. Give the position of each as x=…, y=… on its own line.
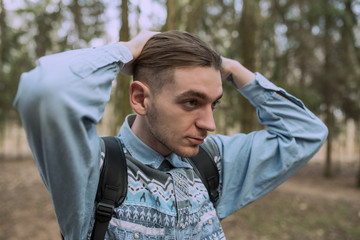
x=191, y=103
x=214, y=104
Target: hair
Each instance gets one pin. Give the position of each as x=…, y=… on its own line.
x=164, y=52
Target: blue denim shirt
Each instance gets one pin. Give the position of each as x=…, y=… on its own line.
x=165, y=199
x=64, y=97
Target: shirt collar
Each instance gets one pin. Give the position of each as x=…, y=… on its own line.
x=142, y=152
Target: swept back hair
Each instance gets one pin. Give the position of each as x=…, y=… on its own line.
x=166, y=51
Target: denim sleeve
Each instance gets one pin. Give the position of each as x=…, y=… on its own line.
x=59, y=102
x=256, y=163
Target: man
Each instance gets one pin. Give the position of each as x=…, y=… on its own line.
x=178, y=82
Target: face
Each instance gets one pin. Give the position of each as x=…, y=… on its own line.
x=180, y=116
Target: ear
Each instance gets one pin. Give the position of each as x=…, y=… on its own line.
x=139, y=94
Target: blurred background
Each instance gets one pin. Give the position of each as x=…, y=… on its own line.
x=310, y=48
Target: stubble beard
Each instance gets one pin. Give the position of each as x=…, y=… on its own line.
x=163, y=135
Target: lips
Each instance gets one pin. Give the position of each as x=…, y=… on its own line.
x=195, y=140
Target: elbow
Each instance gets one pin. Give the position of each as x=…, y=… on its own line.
x=25, y=96
x=309, y=140
x=33, y=92
x=314, y=140
x=326, y=132
x=323, y=132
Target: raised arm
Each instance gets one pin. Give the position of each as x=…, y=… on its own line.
x=256, y=163
x=60, y=102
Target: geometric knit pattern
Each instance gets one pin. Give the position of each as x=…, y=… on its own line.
x=164, y=204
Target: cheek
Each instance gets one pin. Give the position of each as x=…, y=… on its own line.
x=179, y=121
x=183, y=122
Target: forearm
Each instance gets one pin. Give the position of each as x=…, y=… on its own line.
x=236, y=72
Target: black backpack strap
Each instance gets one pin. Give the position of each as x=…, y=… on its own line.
x=208, y=172
x=112, y=186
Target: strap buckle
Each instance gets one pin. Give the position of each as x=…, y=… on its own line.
x=104, y=211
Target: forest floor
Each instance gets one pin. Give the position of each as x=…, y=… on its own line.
x=306, y=207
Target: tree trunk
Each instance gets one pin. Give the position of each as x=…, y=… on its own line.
x=328, y=89
x=121, y=95
x=4, y=56
x=358, y=142
x=328, y=173
x=358, y=176
x=248, y=28
x=77, y=14
x=193, y=16
x=171, y=19
x=3, y=36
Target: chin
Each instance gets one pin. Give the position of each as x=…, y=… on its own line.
x=187, y=152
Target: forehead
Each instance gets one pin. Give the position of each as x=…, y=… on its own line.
x=194, y=81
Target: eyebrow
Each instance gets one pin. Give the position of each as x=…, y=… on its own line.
x=192, y=93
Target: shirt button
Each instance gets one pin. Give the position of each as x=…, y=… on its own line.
x=136, y=235
x=210, y=222
x=181, y=182
x=182, y=226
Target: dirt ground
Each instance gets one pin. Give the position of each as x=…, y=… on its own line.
x=290, y=212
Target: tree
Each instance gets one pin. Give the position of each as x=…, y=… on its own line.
x=4, y=55
x=42, y=26
x=44, y=30
x=87, y=20
x=14, y=59
x=58, y=26
x=9, y=75
x=351, y=69
x=121, y=96
x=308, y=35
x=249, y=34
x=172, y=16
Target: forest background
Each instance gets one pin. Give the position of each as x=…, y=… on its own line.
x=310, y=48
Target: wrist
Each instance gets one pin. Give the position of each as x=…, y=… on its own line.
x=241, y=75
x=132, y=48
x=136, y=44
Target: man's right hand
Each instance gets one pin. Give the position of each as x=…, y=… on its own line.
x=240, y=75
x=135, y=46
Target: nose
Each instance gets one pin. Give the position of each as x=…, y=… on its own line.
x=206, y=120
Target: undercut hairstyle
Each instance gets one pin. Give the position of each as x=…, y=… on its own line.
x=165, y=52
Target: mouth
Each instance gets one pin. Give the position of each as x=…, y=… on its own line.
x=196, y=140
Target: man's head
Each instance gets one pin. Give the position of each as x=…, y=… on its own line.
x=165, y=52
x=177, y=85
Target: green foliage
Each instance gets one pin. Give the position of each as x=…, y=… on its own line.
x=43, y=30
x=14, y=60
x=120, y=96
x=308, y=47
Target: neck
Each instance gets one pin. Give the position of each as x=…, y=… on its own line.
x=141, y=129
